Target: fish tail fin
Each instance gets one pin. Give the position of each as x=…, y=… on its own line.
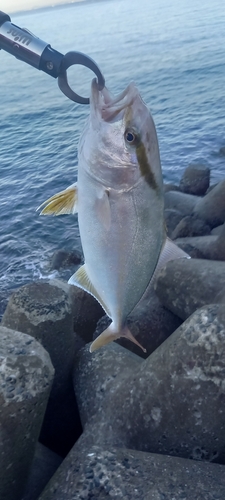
x=111, y=334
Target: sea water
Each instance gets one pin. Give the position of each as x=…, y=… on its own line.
x=174, y=51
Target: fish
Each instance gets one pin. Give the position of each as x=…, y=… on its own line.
x=120, y=204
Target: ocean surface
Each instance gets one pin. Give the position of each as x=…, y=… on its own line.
x=174, y=51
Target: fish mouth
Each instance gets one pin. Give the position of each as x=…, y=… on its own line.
x=108, y=107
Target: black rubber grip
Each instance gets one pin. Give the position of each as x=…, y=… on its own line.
x=4, y=17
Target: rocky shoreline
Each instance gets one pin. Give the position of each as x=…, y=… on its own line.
x=119, y=423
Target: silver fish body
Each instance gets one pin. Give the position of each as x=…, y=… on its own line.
x=119, y=199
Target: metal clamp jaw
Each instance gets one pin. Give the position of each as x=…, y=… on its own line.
x=28, y=48
x=70, y=59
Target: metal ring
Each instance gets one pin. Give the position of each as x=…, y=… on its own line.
x=70, y=59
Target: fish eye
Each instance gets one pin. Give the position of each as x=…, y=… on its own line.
x=130, y=136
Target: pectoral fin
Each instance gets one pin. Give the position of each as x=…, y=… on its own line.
x=111, y=334
x=102, y=208
x=82, y=280
x=61, y=203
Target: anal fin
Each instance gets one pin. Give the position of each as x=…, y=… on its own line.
x=82, y=280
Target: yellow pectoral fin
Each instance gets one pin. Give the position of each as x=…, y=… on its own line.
x=61, y=203
x=82, y=280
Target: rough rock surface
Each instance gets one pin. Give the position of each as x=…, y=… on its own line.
x=195, y=179
x=43, y=310
x=182, y=202
x=211, y=208
x=172, y=218
x=218, y=229
x=170, y=187
x=129, y=475
x=62, y=259
x=208, y=247
x=61, y=427
x=44, y=465
x=190, y=226
x=94, y=376
x=185, y=285
x=171, y=403
x=26, y=375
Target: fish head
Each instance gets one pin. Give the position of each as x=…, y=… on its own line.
x=119, y=146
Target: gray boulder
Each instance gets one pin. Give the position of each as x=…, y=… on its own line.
x=190, y=226
x=95, y=376
x=195, y=179
x=202, y=247
x=172, y=403
x=211, y=247
x=185, y=285
x=184, y=203
x=63, y=259
x=26, y=375
x=211, y=208
x=43, y=310
x=170, y=187
x=127, y=474
x=172, y=218
x=216, y=231
x=44, y=465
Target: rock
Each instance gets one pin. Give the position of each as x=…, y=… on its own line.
x=43, y=310
x=184, y=285
x=195, y=179
x=220, y=297
x=211, y=208
x=86, y=313
x=149, y=322
x=172, y=218
x=216, y=231
x=222, y=150
x=94, y=376
x=184, y=203
x=61, y=427
x=211, y=187
x=197, y=247
x=44, y=465
x=26, y=375
x=210, y=247
x=62, y=259
x=128, y=474
x=190, y=226
x=171, y=403
x=170, y=187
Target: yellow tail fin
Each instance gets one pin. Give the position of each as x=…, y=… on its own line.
x=111, y=334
